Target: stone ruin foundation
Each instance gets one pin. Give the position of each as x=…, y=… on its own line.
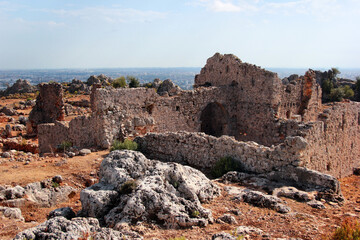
x=236, y=109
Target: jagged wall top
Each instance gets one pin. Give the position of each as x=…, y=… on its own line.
x=228, y=69
x=254, y=84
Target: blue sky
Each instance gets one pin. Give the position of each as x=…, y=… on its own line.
x=175, y=33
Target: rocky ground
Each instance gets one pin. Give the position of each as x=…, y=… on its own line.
x=230, y=214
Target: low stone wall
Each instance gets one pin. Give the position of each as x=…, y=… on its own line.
x=282, y=163
x=203, y=151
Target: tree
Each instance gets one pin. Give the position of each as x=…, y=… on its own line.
x=119, y=82
x=336, y=95
x=133, y=81
x=327, y=85
x=357, y=88
x=335, y=71
x=348, y=92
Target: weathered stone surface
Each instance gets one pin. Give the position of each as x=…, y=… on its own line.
x=227, y=218
x=196, y=148
x=12, y=213
x=169, y=88
x=49, y=106
x=260, y=199
x=223, y=236
x=316, y=204
x=9, y=111
x=133, y=188
x=101, y=79
x=6, y=155
x=47, y=196
x=244, y=230
x=293, y=193
x=77, y=228
x=65, y=212
x=20, y=86
x=84, y=151
x=57, y=179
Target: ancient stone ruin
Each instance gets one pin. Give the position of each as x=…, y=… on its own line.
x=274, y=127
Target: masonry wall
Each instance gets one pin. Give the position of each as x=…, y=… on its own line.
x=203, y=151
x=334, y=141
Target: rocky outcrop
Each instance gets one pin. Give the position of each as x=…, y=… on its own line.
x=42, y=194
x=12, y=213
x=260, y=199
x=101, y=79
x=77, y=86
x=20, y=86
x=167, y=87
x=133, y=188
x=49, y=107
x=77, y=228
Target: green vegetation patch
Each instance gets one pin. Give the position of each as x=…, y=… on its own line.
x=224, y=165
x=127, y=144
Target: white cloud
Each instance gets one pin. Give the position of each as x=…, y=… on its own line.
x=107, y=14
x=321, y=9
x=229, y=5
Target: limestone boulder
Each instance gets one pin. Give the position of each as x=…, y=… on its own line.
x=20, y=86
x=133, y=188
x=168, y=87
x=77, y=228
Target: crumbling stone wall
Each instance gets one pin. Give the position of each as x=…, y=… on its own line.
x=301, y=98
x=334, y=141
x=203, y=151
x=243, y=101
x=281, y=163
x=49, y=106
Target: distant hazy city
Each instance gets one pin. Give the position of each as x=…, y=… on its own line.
x=184, y=77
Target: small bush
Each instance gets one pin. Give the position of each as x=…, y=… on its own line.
x=127, y=144
x=349, y=230
x=128, y=187
x=64, y=145
x=195, y=214
x=224, y=165
x=55, y=184
x=133, y=82
x=120, y=82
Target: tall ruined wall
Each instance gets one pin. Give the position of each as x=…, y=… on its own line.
x=49, y=107
x=334, y=141
x=301, y=97
x=256, y=84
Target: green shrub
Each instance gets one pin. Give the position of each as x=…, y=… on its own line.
x=195, y=214
x=336, y=95
x=348, y=92
x=133, y=82
x=326, y=86
x=128, y=187
x=349, y=230
x=120, y=82
x=55, y=184
x=224, y=165
x=64, y=145
x=127, y=144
